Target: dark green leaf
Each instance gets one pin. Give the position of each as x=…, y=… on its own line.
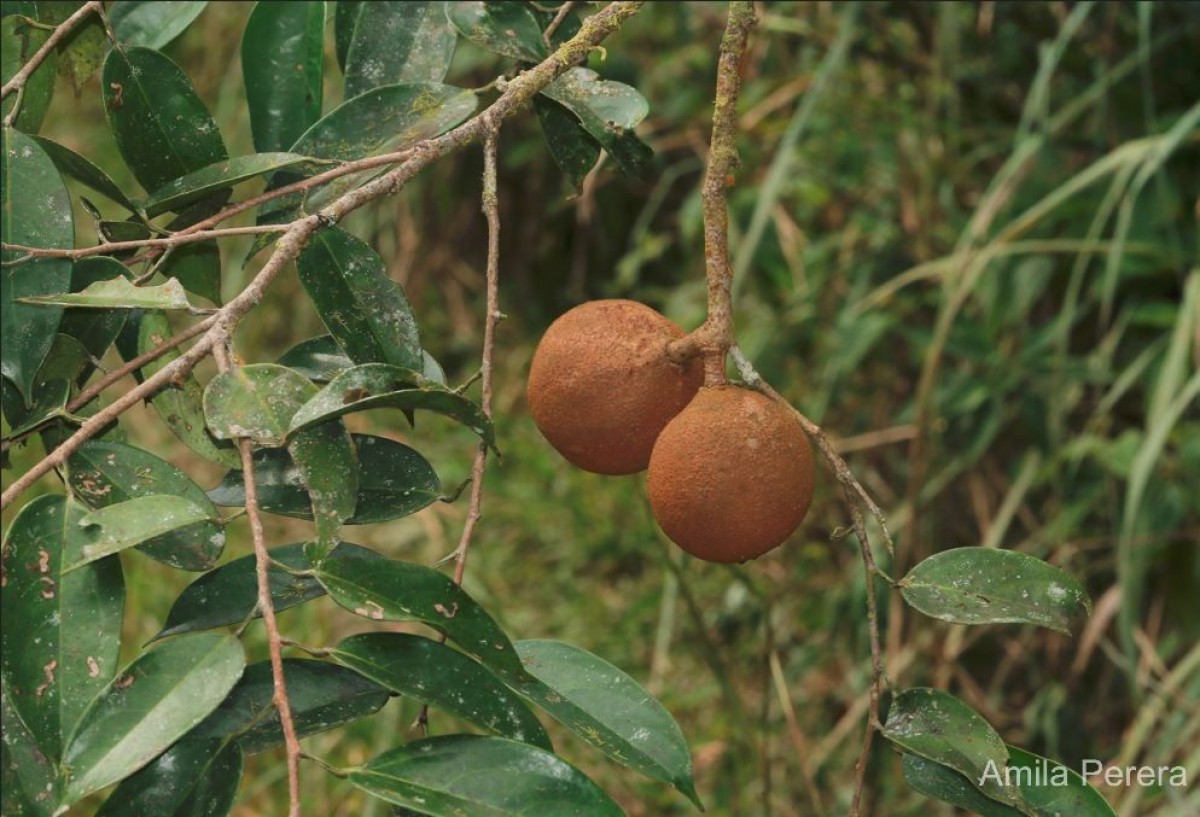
x=180, y=405
x=990, y=586
x=133, y=229
x=399, y=42
x=485, y=776
x=939, y=727
x=62, y=632
x=364, y=309
x=255, y=401
x=322, y=696
x=26, y=775
x=153, y=23
x=937, y=781
x=103, y=473
x=432, y=673
x=328, y=466
x=505, y=28
x=393, y=481
x=282, y=68
x=608, y=111
x=136, y=521
x=608, y=709
x=81, y=51
x=198, y=267
x=82, y=170
x=95, y=330
x=318, y=358
x=37, y=213
x=229, y=594
x=195, y=186
x=49, y=401
x=153, y=702
x=344, y=21
x=118, y=293
x=194, y=778
x=389, y=590
x=378, y=385
x=573, y=148
x=20, y=41
x=1052, y=789
x=161, y=127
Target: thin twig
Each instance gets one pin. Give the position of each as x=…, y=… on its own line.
x=109, y=247
x=519, y=91
x=18, y=80
x=559, y=16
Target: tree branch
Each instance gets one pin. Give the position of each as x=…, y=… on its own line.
x=18, y=80
x=109, y=247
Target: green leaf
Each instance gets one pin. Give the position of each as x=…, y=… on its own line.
x=200, y=184
x=937, y=781
x=282, y=68
x=364, y=309
x=256, y=401
x=21, y=41
x=573, y=148
x=49, y=401
x=389, y=590
x=95, y=330
x=162, y=128
x=328, y=466
x=318, y=358
x=1052, y=789
x=119, y=293
x=481, y=776
x=344, y=20
x=194, y=778
x=505, y=28
x=37, y=213
x=153, y=23
x=939, y=727
x=393, y=481
x=399, y=42
x=81, y=51
x=83, y=170
x=989, y=586
x=180, y=405
x=378, y=385
x=432, y=673
x=608, y=111
x=62, y=632
x=135, y=521
x=26, y=775
x=132, y=229
x=166, y=691
x=604, y=706
x=198, y=267
x=322, y=696
x=229, y=594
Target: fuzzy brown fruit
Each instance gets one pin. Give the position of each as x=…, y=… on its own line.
x=731, y=476
x=601, y=386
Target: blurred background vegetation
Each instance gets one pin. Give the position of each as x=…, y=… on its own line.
x=966, y=244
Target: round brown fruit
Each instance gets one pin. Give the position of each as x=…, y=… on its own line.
x=731, y=476
x=601, y=386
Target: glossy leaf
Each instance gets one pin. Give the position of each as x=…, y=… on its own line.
x=378, y=385
x=282, y=68
x=328, y=466
x=136, y=521
x=103, y=473
x=62, y=633
x=573, y=148
x=365, y=310
x=198, y=267
x=393, y=481
x=256, y=401
x=229, y=594
x=432, y=673
x=198, y=185
x=470, y=774
x=399, y=42
x=20, y=42
x=133, y=229
x=318, y=358
x=119, y=293
x=345, y=19
x=37, y=213
x=389, y=590
x=604, y=706
x=83, y=170
x=49, y=401
x=939, y=727
x=322, y=696
x=608, y=111
x=153, y=702
x=194, y=778
x=162, y=128
x=80, y=52
x=505, y=28
x=990, y=586
x=27, y=776
x=95, y=330
x=1051, y=789
x=945, y=784
x=153, y=23
x=180, y=405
